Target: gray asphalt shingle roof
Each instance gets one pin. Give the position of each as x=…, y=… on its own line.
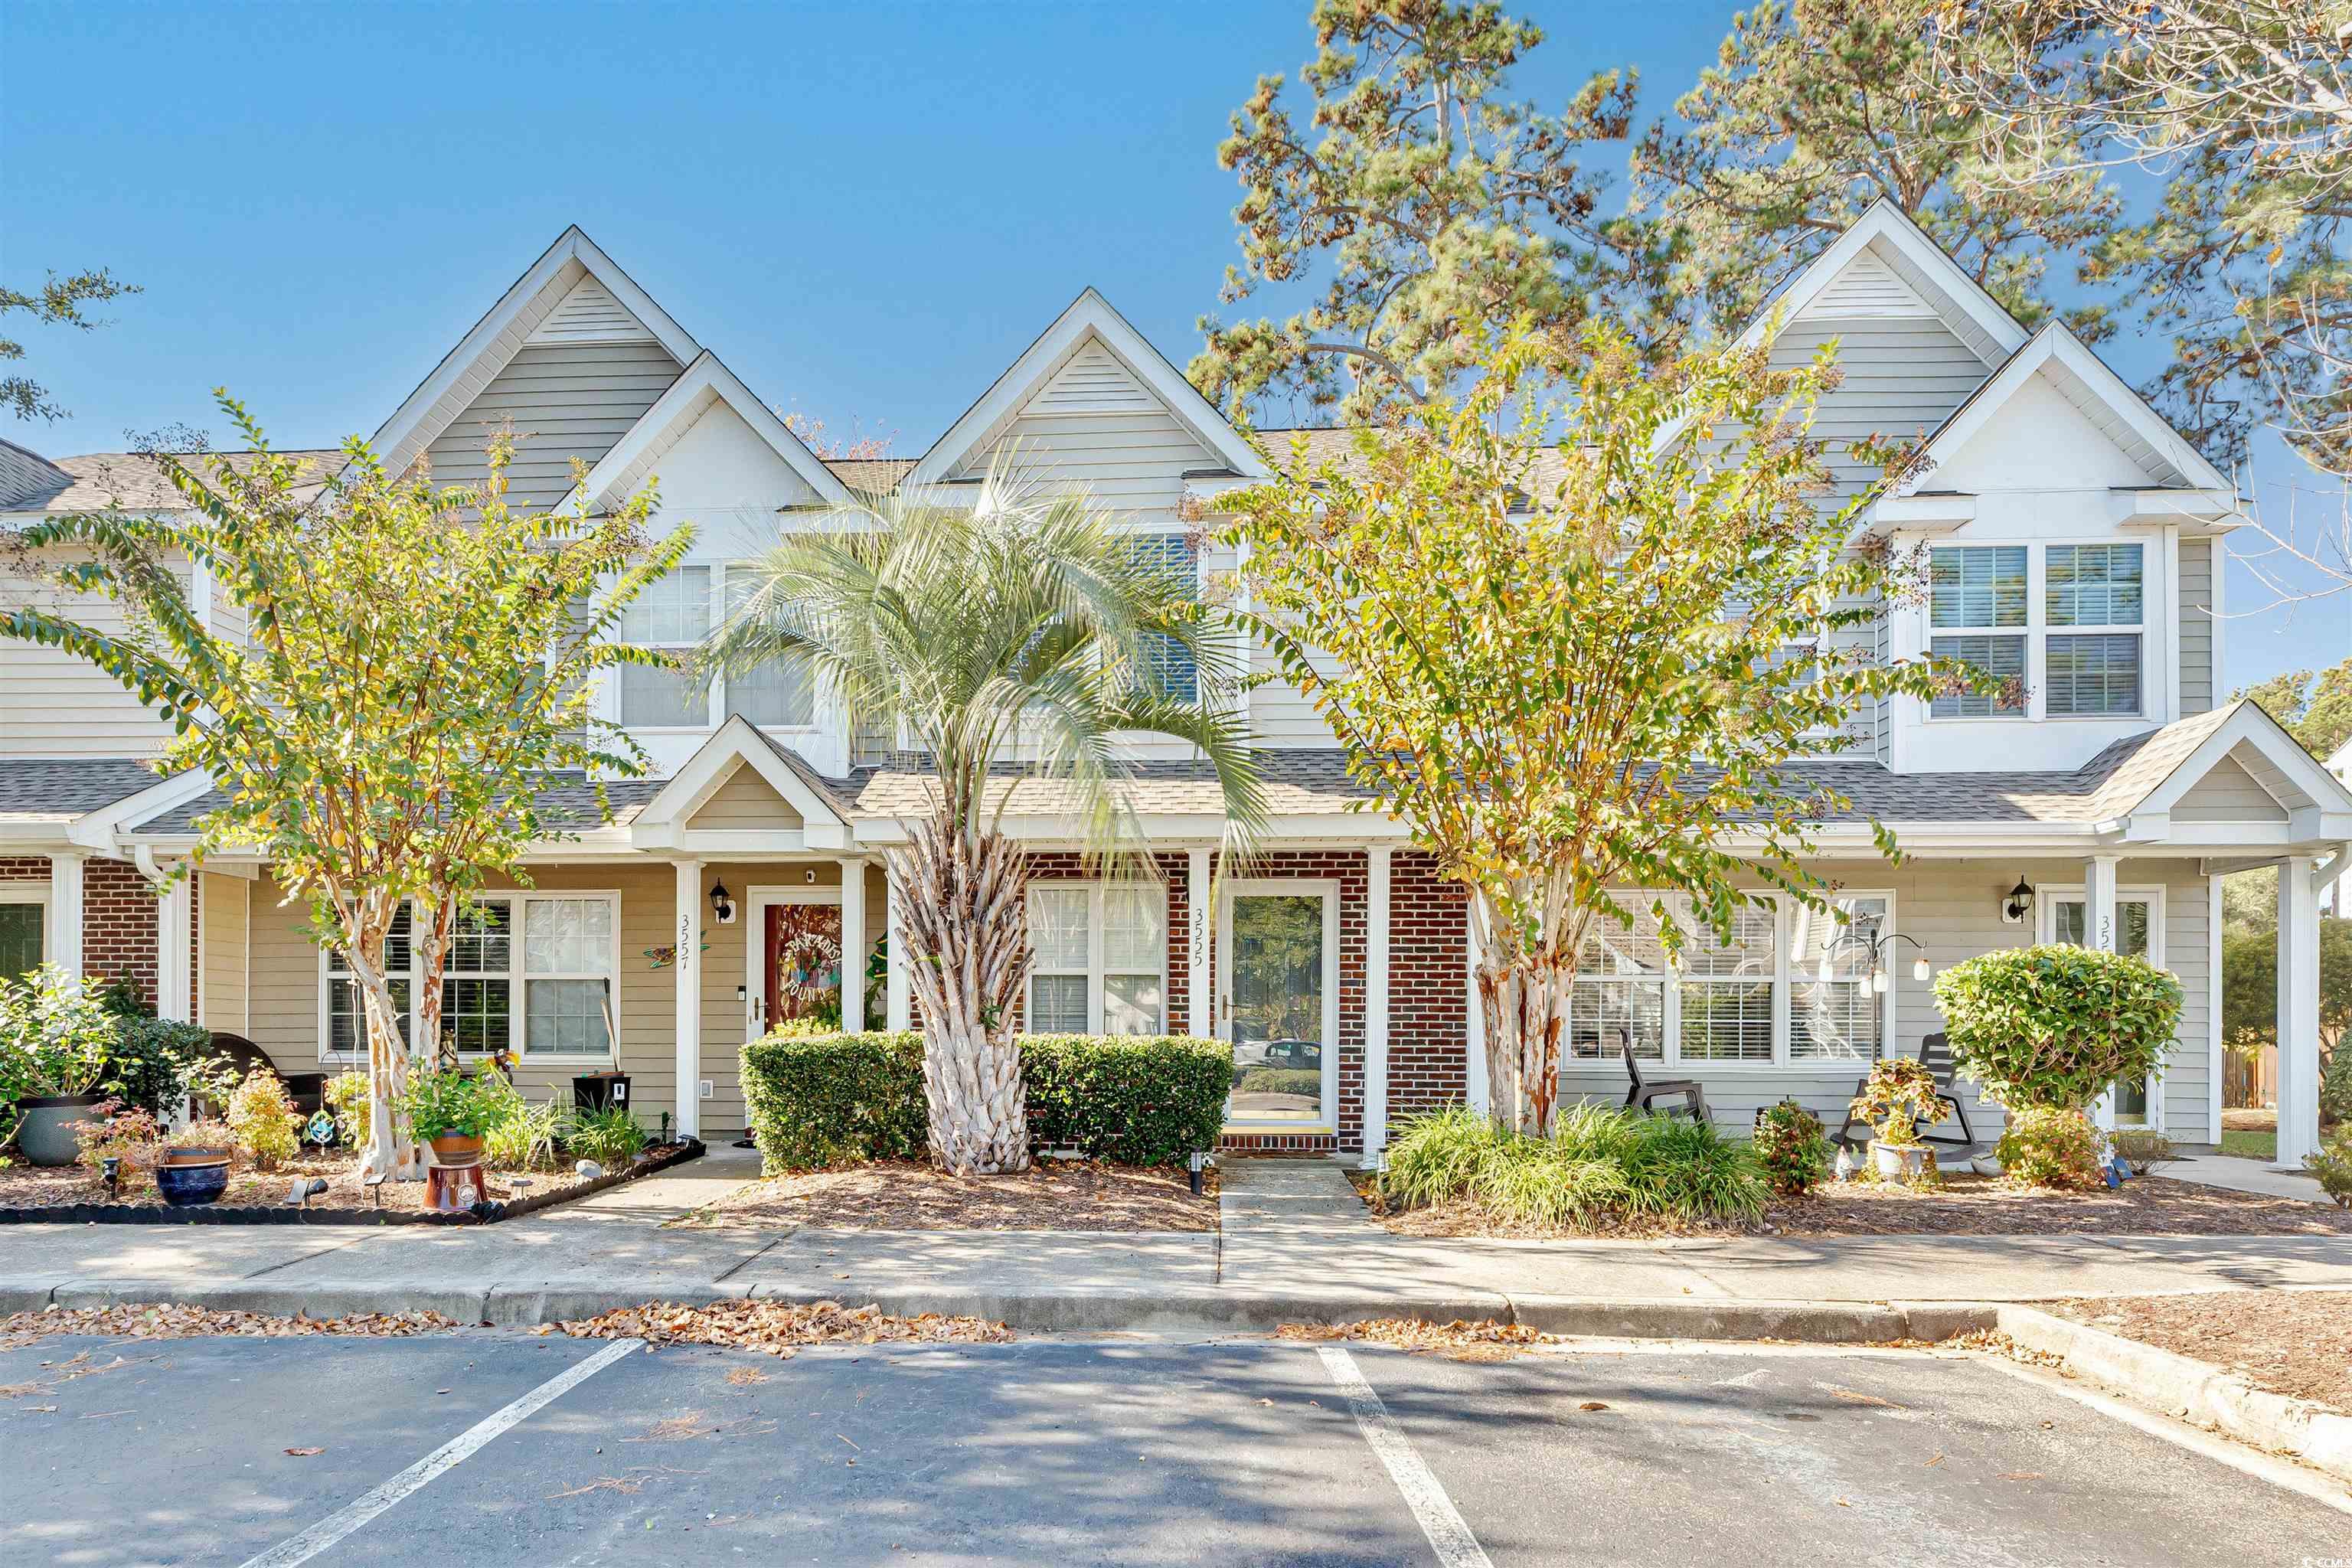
x=567, y=804
x=97, y=481
x=41, y=790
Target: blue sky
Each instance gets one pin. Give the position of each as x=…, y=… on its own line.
x=867, y=211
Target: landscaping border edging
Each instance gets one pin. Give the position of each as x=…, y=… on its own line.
x=2195, y=1391
x=285, y=1214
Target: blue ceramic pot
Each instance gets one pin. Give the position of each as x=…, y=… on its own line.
x=186, y=1186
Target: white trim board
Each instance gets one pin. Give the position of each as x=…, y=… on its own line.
x=704, y=383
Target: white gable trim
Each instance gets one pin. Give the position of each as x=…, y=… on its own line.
x=106, y=831
x=705, y=383
x=2318, y=806
x=2087, y=382
x=662, y=823
x=1904, y=248
x=486, y=350
x=1089, y=315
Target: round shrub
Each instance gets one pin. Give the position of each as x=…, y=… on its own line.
x=2047, y=1146
x=2333, y=1165
x=1791, y=1146
x=262, y=1116
x=2050, y=1028
x=2335, y=1082
x=148, y=1065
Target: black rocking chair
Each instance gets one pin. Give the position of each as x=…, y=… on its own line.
x=1935, y=1055
x=1643, y=1090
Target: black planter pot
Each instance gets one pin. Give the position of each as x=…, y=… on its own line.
x=46, y=1137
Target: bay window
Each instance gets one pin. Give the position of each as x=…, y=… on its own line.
x=562, y=968
x=1102, y=952
x=1762, y=999
x=2073, y=650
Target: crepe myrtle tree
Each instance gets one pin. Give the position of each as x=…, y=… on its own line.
x=1573, y=629
x=390, y=672
x=1010, y=639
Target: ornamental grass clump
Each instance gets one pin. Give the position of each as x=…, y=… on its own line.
x=1601, y=1165
x=2050, y=1027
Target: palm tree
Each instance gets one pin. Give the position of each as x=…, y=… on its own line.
x=1014, y=639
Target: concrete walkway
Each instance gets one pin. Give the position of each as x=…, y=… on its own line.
x=1295, y=1245
x=2241, y=1175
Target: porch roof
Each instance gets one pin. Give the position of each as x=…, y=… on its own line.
x=59, y=791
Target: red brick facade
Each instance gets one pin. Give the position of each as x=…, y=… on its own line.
x=1429, y=1029
x=118, y=918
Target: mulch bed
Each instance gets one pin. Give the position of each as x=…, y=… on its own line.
x=1058, y=1194
x=38, y=1186
x=1963, y=1205
x=2295, y=1342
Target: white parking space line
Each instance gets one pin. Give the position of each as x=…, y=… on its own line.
x=1449, y=1533
x=350, y=1516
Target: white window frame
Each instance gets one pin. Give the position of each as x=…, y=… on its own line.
x=35, y=893
x=1097, y=972
x=1783, y=990
x=2046, y=902
x=2039, y=629
x=723, y=605
x=1890, y=956
x=1329, y=889
x=713, y=696
x=519, y=974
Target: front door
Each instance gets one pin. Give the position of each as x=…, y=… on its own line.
x=801, y=950
x=2137, y=936
x=1279, y=1003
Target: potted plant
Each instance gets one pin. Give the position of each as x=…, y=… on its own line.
x=450, y=1112
x=192, y=1166
x=55, y=1035
x=1897, y=1095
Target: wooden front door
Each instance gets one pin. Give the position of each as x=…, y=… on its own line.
x=802, y=947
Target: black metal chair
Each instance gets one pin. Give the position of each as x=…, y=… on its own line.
x=1935, y=1055
x=1643, y=1090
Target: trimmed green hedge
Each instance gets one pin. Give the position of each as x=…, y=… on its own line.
x=840, y=1098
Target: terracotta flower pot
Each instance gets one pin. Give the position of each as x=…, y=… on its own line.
x=457, y=1149
x=196, y=1155
x=1901, y=1161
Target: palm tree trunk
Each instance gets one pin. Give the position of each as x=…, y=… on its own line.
x=957, y=898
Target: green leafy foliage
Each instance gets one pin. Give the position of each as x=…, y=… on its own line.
x=2050, y=1146
x=2051, y=1026
x=129, y=1134
x=2335, y=1083
x=447, y=1101
x=1566, y=667
x=1899, y=1094
x=610, y=1135
x=57, y=304
x=2250, y=982
x=153, y=1061
x=1137, y=1100
x=2143, y=1149
x=1791, y=1146
x=347, y=1100
x=56, y=1035
x=261, y=1115
x=525, y=1136
x=2332, y=1163
x=1601, y=1164
x=2316, y=707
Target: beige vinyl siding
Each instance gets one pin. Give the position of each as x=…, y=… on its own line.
x=222, y=951
x=564, y=400
x=2195, y=625
x=2228, y=793
x=745, y=801
x=57, y=704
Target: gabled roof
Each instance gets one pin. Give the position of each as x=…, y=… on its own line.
x=2143, y=790
x=2102, y=397
x=740, y=744
x=37, y=790
x=1089, y=316
x=27, y=479
x=706, y=383
x=133, y=482
x=1903, y=248
x=545, y=290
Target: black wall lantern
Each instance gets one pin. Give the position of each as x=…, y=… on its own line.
x=722, y=903
x=2020, y=903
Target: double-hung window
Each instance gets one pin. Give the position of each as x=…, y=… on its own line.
x=1164, y=664
x=2073, y=648
x=532, y=974
x=1835, y=1012
x=672, y=614
x=23, y=922
x=1726, y=989
x=1102, y=952
x=775, y=695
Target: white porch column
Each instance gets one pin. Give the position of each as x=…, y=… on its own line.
x=2099, y=932
x=1201, y=919
x=852, y=947
x=1473, y=1016
x=2298, y=1011
x=174, y=913
x=1376, y=1003
x=65, y=912
x=899, y=1010
x=688, y=930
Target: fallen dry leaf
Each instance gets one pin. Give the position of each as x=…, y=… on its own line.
x=1460, y=1340
x=1592, y=1405
x=744, y=1376
x=2021, y=1475
x=305, y=1453
x=1851, y=1397
x=140, y=1322
x=778, y=1328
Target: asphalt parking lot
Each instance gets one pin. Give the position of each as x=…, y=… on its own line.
x=1239, y=1451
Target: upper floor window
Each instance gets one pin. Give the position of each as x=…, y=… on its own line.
x=2075, y=649
x=774, y=696
x=1166, y=663
x=673, y=614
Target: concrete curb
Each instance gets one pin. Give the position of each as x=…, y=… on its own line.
x=2195, y=1391
x=1805, y=1322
